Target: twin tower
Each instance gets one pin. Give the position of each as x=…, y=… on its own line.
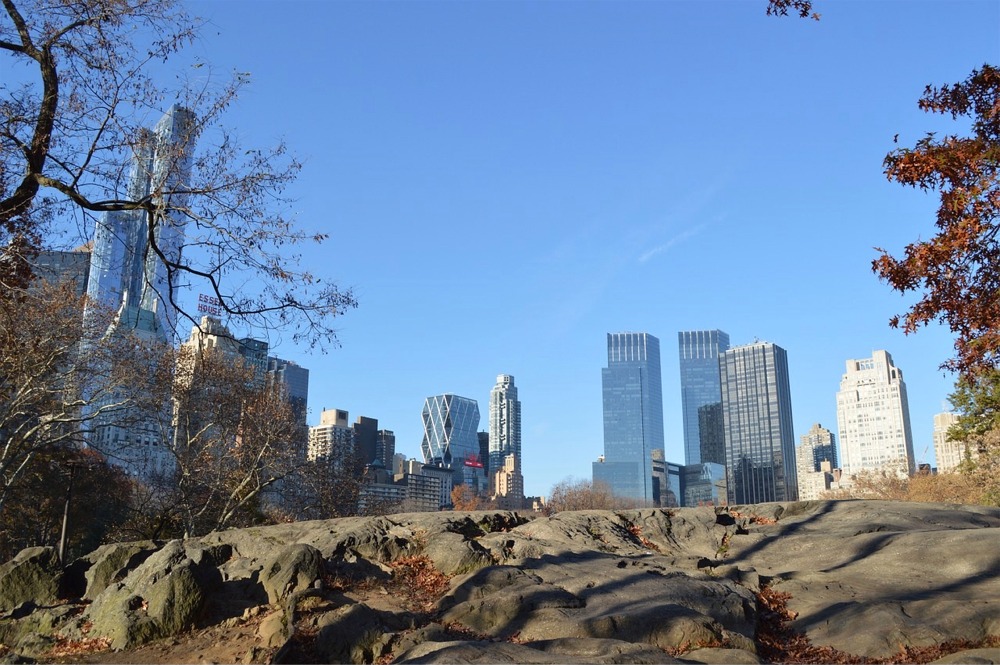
x=737, y=412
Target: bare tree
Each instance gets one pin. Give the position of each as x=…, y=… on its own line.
x=569, y=494
x=77, y=101
x=45, y=380
x=233, y=438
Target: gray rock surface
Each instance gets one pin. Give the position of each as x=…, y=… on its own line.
x=111, y=563
x=294, y=568
x=161, y=597
x=30, y=577
x=637, y=586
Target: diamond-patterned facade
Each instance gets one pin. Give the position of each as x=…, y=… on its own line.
x=451, y=425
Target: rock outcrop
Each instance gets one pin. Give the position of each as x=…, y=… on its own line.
x=638, y=586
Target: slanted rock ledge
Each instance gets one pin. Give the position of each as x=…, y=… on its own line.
x=865, y=578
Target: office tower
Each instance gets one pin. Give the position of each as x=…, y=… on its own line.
x=701, y=394
x=505, y=438
x=757, y=418
x=56, y=266
x=450, y=424
x=294, y=380
x=948, y=452
x=376, y=446
x=365, y=438
x=633, y=415
x=385, y=447
x=816, y=446
x=484, y=450
x=125, y=275
x=254, y=353
x=332, y=441
x=873, y=417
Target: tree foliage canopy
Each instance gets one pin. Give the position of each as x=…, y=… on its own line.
x=77, y=96
x=957, y=271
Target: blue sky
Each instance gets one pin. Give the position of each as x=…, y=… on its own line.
x=506, y=182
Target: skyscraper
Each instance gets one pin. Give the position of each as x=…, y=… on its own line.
x=125, y=276
x=701, y=394
x=873, y=416
x=505, y=422
x=56, y=266
x=294, y=380
x=451, y=425
x=506, y=481
x=757, y=417
x=633, y=415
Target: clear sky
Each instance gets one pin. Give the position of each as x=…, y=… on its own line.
x=506, y=182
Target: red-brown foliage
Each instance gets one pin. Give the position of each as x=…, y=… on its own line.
x=957, y=270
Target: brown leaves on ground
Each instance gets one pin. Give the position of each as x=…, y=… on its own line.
x=753, y=519
x=66, y=647
x=417, y=582
x=778, y=643
x=636, y=531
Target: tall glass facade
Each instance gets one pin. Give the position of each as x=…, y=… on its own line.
x=633, y=415
x=123, y=274
x=451, y=430
x=701, y=394
x=757, y=417
x=505, y=423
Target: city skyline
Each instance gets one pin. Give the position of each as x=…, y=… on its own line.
x=503, y=183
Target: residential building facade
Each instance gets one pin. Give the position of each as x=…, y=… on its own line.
x=504, y=465
x=949, y=453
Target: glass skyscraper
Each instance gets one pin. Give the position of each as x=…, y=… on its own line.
x=451, y=430
x=124, y=275
x=633, y=415
x=757, y=417
x=701, y=394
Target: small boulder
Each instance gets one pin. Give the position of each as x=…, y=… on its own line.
x=294, y=568
x=33, y=575
x=351, y=634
